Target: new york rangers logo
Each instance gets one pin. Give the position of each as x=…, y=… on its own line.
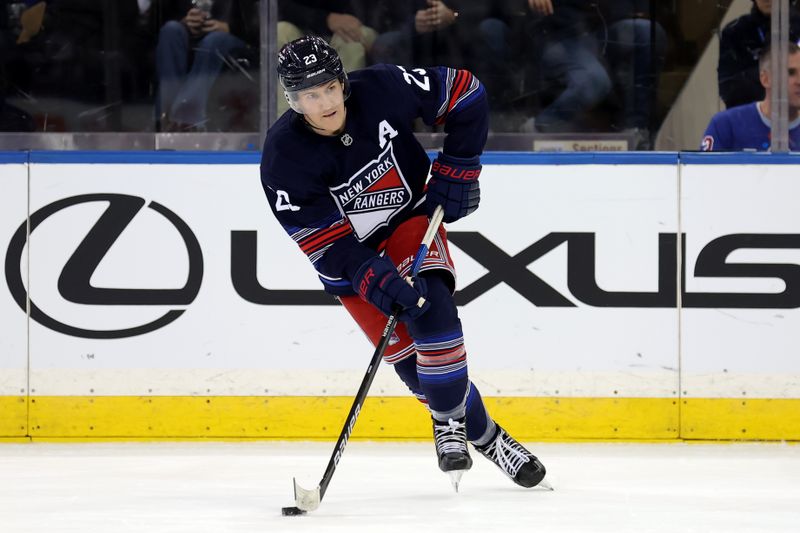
x=373, y=195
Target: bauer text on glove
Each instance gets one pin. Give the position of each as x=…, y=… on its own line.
x=454, y=186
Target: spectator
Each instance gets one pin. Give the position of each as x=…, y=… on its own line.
x=334, y=21
x=470, y=34
x=31, y=19
x=496, y=59
x=740, y=44
x=562, y=32
x=391, y=21
x=434, y=32
x=11, y=117
x=747, y=127
x=80, y=50
x=193, y=45
x=634, y=46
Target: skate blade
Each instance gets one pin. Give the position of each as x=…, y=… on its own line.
x=455, y=477
x=545, y=485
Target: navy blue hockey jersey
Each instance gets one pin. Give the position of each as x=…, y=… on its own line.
x=339, y=197
x=744, y=127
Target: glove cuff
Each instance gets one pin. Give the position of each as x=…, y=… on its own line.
x=456, y=169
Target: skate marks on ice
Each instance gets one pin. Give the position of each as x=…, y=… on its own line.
x=241, y=487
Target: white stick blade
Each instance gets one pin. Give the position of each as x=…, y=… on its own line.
x=307, y=500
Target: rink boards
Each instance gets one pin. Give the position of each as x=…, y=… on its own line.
x=627, y=296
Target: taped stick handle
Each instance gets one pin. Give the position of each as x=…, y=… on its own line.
x=422, y=252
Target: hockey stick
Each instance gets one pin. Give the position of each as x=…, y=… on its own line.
x=308, y=500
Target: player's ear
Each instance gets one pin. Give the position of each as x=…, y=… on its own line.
x=763, y=77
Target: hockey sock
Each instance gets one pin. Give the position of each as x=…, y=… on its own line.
x=441, y=356
x=480, y=427
x=407, y=370
x=442, y=373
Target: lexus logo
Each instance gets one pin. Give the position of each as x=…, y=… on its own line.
x=74, y=282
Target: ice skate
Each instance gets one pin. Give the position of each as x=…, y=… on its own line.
x=451, y=448
x=514, y=460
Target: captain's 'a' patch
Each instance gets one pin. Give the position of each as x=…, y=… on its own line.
x=373, y=195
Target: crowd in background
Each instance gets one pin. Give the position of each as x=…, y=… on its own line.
x=550, y=66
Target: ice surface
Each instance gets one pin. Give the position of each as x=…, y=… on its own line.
x=387, y=487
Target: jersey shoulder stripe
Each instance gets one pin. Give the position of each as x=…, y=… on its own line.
x=460, y=86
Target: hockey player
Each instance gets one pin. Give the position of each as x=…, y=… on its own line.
x=346, y=178
x=748, y=127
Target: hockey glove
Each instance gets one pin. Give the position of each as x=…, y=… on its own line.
x=454, y=186
x=378, y=282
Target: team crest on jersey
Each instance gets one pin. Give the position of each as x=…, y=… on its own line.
x=373, y=195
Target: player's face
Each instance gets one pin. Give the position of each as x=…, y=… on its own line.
x=794, y=81
x=323, y=106
x=793, y=75
x=765, y=6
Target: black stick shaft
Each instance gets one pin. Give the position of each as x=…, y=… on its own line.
x=355, y=409
x=374, y=363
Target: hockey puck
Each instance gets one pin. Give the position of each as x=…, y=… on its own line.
x=292, y=511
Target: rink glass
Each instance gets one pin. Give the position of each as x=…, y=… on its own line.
x=659, y=82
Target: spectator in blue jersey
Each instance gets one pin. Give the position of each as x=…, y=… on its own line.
x=348, y=181
x=193, y=45
x=740, y=45
x=747, y=127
